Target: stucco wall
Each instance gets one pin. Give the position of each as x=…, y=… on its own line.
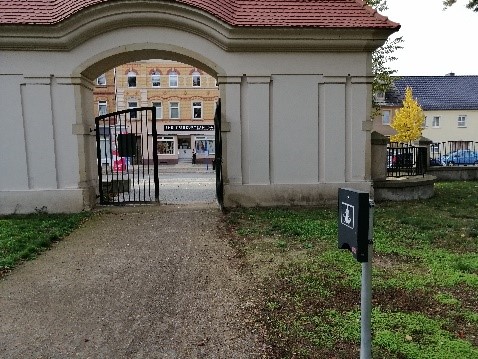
x=448, y=129
x=293, y=121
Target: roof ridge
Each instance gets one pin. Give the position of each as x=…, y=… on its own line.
x=239, y=13
x=438, y=92
x=375, y=13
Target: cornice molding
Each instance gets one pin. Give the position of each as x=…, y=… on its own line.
x=110, y=16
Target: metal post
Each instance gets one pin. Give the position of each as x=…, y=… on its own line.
x=155, y=153
x=366, y=296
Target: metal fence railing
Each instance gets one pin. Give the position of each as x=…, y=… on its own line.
x=405, y=160
x=454, y=153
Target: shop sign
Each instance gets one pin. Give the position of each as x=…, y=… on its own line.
x=188, y=127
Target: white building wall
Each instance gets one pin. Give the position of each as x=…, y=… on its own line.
x=14, y=174
x=332, y=130
x=39, y=139
x=294, y=123
x=294, y=129
x=448, y=129
x=256, y=128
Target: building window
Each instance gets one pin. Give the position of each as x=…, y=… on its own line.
x=461, y=121
x=101, y=80
x=133, y=114
x=197, y=110
x=380, y=96
x=386, y=117
x=173, y=79
x=174, y=110
x=196, y=79
x=436, y=122
x=159, y=110
x=102, y=108
x=165, y=145
x=205, y=145
x=155, y=79
x=131, y=79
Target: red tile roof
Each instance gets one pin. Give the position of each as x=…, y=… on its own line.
x=269, y=13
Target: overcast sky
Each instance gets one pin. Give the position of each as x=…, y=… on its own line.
x=436, y=42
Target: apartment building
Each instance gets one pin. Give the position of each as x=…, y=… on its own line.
x=450, y=104
x=185, y=100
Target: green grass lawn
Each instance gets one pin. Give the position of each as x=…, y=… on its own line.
x=425, y=278
x=22, y=237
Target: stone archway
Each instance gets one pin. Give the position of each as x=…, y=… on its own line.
x=295, y=94
x=129, y=54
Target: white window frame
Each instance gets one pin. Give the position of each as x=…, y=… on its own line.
x=171, y=107
x=101, y=80
x=436, y=122
x=133, y=115
x=171, y=146
x=196, y=76
x=155, y=79
x=102, y=105
x=173, y=79
x=132, y=75
x=159, y=109
x=380, y=96
x=197, y=105
x=461, y=121
x=386, y=123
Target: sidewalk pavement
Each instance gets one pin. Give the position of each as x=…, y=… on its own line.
x=186, y=167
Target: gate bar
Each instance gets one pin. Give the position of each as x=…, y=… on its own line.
x=155, y=154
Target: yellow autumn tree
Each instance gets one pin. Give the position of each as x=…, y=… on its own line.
x=408, y=120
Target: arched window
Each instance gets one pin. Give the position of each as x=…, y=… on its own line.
x=196, y=79
x=131, y=79
x=173, y=79
x=155, y=79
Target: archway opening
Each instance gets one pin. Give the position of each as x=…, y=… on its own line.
x=184, y=97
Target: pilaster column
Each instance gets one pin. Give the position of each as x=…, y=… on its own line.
x=256, y=130
x=332, y=136
x=230, y=90
x=38, y=122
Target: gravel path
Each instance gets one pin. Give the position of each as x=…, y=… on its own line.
x=136, y=282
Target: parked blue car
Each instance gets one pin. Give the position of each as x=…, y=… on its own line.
x=460, y=157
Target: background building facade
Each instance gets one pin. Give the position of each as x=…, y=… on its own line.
x=185, y=99
x=450, y=105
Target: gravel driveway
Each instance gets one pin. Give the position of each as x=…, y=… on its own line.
x=134, y=282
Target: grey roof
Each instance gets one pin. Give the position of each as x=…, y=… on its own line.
x=448, y=92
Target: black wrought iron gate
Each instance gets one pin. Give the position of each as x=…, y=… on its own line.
x=127, y=156
x=218, y=156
